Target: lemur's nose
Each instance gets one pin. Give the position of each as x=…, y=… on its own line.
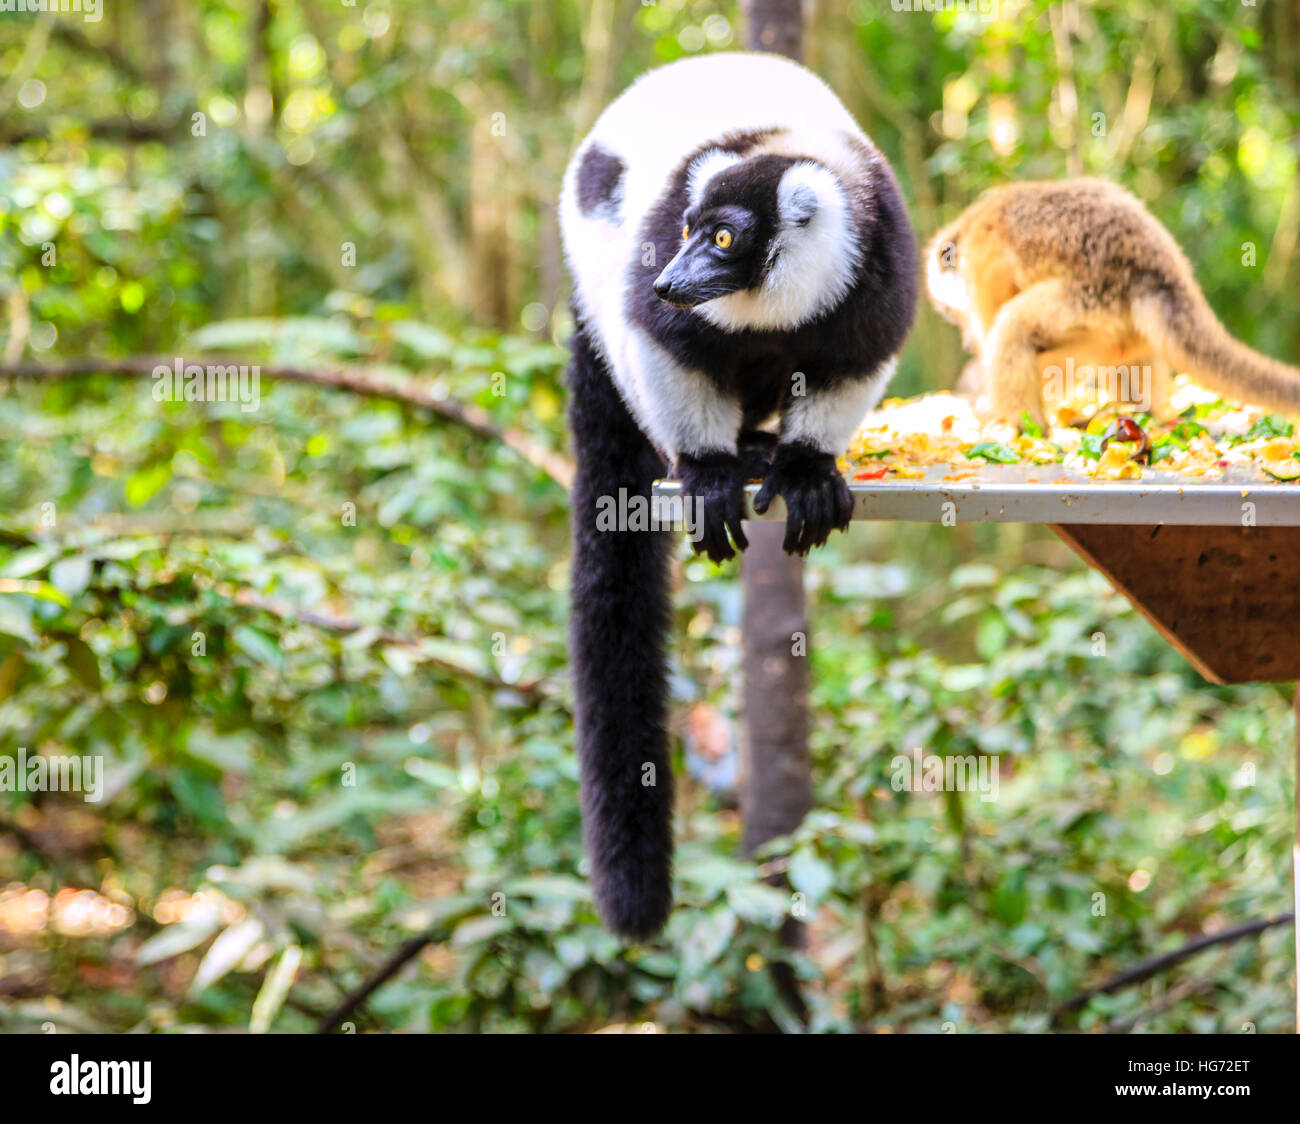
x=663, y=288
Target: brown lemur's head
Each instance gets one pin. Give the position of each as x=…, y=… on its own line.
x=943, y=282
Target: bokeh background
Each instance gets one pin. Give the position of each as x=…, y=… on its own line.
x=319, y=645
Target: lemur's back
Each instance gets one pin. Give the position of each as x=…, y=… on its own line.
x=676, y=110
x=1085, y=227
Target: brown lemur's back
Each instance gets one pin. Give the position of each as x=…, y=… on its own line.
x=1093, y=232
x=1082, y=263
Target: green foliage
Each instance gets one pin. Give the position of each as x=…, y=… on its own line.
x=1271, y=425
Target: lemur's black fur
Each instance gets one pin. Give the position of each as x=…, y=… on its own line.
x=600, y=179
x=618, y=635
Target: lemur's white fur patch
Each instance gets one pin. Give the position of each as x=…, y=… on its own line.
x=704, y=167
x=952, y=296
x=683, y=411
x=814, y=257
x=827, y=419
x=945, y=283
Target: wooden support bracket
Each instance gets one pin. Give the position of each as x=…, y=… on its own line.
x=1228, y=598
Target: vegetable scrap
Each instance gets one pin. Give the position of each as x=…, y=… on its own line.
x=1203, y=436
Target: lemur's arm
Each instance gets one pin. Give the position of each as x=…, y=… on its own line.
x=815, y=430
x=689, y=418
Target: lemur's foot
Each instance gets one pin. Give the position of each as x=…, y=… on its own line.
x=756, y=447
x=716, y=484
x=817, y=499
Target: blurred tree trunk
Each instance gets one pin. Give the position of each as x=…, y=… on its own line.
x=774, y=25
x=776, y=774
x=490, y=290
x=776, y=782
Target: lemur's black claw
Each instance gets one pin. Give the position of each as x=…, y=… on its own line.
x=714, y=487
x=817, y=498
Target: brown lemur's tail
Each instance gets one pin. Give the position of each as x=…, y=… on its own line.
x=1183, y=329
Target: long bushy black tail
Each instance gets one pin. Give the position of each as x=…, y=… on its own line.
x=617, y=639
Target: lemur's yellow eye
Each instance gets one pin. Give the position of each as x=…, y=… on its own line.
x=722, y=239
x=686, y=233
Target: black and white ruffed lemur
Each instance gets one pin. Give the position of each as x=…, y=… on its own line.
x=740, y=252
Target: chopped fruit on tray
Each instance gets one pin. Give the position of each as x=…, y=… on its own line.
x=1203, y=436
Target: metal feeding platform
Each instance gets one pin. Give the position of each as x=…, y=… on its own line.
x=1022, y=493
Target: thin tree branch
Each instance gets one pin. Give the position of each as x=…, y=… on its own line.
x=407, y=951
x=1167, y=999
x=110, y=129
x=69, y=35
x=355, y=380
x=1149, y=968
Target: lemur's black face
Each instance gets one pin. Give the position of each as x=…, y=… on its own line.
x=726, y=235
x=715, y=257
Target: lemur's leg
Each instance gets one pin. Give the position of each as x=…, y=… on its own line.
x=1029, y=323
x=970, y=384
x=1139, y=383
x=686, y=415
x=1156, y=377
x=815, y=429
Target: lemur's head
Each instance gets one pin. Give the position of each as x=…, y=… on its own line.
x=942, y=280
x=767, y=242
x=949, y=292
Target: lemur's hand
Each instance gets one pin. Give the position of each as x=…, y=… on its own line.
x=716, y=481
x=817, y=499
x=756, y=447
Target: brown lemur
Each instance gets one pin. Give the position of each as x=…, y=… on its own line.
x=1054, y=278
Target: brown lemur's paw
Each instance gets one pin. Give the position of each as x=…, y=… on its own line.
x=988, y=411
x=713, y=486
x=816, y=495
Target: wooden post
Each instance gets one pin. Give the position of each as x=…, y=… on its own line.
x=1225, y=597
x=1295, y=859
x=774, y=25
x=776, y=777
x=776, y=785
x=776, y=774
